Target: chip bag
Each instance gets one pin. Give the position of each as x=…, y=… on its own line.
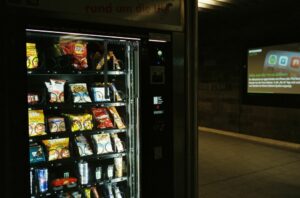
x=103, y=143
x=117, y=118
x=81, y=122
x=117, y=142
x=102, y=118
x=36, y=121
x=80, y=93
x=36, y=153
x=83, y=146
x=56, y=90
x=56, y=124
x=79, y=52
x=57, y=148
x=32, y=56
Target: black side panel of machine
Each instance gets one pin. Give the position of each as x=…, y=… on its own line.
x=156, y=120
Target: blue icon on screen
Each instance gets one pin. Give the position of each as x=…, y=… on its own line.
x=283, y=61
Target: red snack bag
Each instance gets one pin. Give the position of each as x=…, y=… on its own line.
x=79, y=52
x=102, y=117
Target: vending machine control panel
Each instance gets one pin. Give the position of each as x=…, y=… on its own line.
x=156, y=119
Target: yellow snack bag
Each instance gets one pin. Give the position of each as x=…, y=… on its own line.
x=36, y=123
x=32, y=56
x=81, y=122
x=57, y=148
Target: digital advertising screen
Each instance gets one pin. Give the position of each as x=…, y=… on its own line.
x=274, y=69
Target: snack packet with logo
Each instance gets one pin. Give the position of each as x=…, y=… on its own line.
x=32, y=56
x=36, y=153
x=78, y=49
x=118, y=166
x=56, y=90
x=56, y=124
x=103, y=143
x=117, y=142
x=117, y=118
x=57, y=148
x=83, y=146
x=102, y=118
x=80, y=93
x=81, y=122
x=36, y=121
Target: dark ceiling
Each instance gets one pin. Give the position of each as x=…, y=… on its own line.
x=253, y=22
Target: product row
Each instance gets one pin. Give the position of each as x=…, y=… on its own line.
x=60, y=148
x=99, y=118
x=85, y=180
x=79, y=92
x=73, y=54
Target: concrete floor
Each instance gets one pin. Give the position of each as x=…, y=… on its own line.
x=233, y=168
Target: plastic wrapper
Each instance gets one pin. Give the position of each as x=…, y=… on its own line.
x=102, y=117
x=32, y=56
x=32, y=98
x=117, y=192
x=56, y=90
x=118, y=166
x=36, y=122
x=36, y=154
x=116, y=95
x=117, y=118
x=56, y=124
x=110, y=171
x=81, y=122
x=78, y=50
x=95, y=192
x=113, y=61
x=99, y=94
x=57, y=148
x=83, y=146
x=87, y=192
x=103, y=143
x=117, y=142
x=80, y=93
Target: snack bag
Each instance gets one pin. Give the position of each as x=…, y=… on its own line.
x=78, y=50
x=116, y=94
x=57, y=148
x=103, y=143
x=99, y=94
x=32, y=56
x=81, y=122
x=117, y=142
x=117, y=192
x=80, y=93
x=56, y=124
x=36, y=153
x=87, y=192
x=36, y=122
x=102, y=118
x=32, y=98
x=117, y=118
x=56, y=90
x=95, y=192
x=113, y=61
x=83, y=146
x=118, y=166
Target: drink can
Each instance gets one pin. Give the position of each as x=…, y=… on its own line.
x=83, y=172
x=43, y=179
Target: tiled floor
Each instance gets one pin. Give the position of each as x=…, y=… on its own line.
x=233, y=168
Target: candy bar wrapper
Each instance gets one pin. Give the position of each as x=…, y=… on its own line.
x=56, y=124
x=117, y=118
x=57, y=148
x=32, y=56
x=36, y=154
x=118, y=166
x=102, y=117
x=36, y=121
x=103, y=143
x=117, y=142
x=80, y=93
x=56, y=90
x=83, y=146
x=81, y=122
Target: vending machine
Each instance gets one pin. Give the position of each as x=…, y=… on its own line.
x=82, y=92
